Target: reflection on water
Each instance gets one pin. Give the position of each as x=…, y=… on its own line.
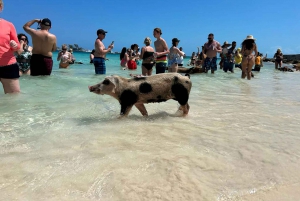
x=240, y=140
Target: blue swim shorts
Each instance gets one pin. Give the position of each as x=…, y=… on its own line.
x=99, y=64
x=228, y=66
x=210, y=63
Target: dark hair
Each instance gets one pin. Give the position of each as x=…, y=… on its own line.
x=93, y=51
x=248, y=44
x=211, y=34
x=20, y=36
x=133, y=46
x=122, y=53
x=158, y=30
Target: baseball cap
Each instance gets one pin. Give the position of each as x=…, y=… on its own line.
x=46, y=22
x=101, y=31
x=175, y=40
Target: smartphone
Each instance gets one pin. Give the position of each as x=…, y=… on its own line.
x=112, y=42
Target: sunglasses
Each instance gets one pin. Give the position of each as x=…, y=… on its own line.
x=23, y=39
x=64, y=49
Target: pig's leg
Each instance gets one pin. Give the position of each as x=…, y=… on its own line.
x=185, y=109
x=141, y=108
x=125, y=109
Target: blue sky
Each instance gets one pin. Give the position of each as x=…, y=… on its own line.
x=275, y=24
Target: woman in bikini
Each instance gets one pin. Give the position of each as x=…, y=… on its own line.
x=248, y=46
x=278, y=58
x=174, y=56
x=124, y=57
x=65, y=57
x=147, y=56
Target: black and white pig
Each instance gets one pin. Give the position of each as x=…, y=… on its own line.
x=139, y=90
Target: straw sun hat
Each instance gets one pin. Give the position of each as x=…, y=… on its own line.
x=226, y=44
x=249, y=37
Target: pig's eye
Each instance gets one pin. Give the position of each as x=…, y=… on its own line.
x=106, y=82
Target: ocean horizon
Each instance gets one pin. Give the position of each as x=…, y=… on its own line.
x=240, y=140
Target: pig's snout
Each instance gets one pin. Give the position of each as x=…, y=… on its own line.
x=92, y=89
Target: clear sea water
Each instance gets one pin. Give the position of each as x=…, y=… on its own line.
x=240, y=140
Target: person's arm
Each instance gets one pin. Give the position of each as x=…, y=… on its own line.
x=243, y=50
x=204, y=49
x=165, y=46
x=14, y=42
x=27, y=26
x=59, y=55
x=100, y=48
x=179, y=52
x=54, y=47
x=19, y=51
x=142, y=53
x=91, y=56
x=255, y=50
x=218, y=48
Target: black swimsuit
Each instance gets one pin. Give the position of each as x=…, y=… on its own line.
x=146, y=55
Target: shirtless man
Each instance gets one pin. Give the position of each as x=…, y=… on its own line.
x=100, y=52
x=162, y=50
x=43, y=44
x=211, y=48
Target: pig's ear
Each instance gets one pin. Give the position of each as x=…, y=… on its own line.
x=113, y=80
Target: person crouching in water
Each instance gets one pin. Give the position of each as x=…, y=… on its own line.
x=174, y=56
x=64, y=57
x=24, y=55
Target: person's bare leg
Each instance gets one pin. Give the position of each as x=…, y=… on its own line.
x=249, y=69
x=28, y=72
x=10, y=85
x=144, y=71
x=244, y=66
x=276, y=65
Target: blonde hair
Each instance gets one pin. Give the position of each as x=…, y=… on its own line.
x=64, y=46
x=1, y=4
x=147, y=41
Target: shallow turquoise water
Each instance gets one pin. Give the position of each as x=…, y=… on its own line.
x=240, y=139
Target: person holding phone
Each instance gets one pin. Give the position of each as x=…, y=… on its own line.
x=100, y=52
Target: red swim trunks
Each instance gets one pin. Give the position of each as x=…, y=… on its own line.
x=131, y=65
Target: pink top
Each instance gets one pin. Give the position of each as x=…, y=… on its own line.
x=7, y=33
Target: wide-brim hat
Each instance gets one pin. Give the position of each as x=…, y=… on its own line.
x=249, y=37
x=226, y=44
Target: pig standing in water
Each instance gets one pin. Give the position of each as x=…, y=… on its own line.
x=139, y=90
